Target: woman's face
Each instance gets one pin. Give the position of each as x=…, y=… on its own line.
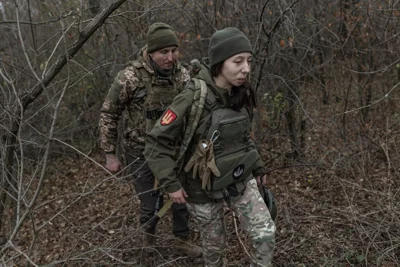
x=236, y=68
x=166, y=57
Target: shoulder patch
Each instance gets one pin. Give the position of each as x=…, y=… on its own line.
x=168, y=117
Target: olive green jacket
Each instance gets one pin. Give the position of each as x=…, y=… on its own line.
x=160, y=149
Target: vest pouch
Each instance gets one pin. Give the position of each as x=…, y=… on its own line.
x=232, y=191
x=234, y=167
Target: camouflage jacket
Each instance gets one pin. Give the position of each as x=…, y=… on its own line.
x=144, y=96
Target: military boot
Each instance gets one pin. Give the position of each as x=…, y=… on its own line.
x=183, y=246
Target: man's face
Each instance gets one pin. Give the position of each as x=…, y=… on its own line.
x=165, y=58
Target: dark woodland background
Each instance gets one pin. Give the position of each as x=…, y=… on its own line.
x=327, y=76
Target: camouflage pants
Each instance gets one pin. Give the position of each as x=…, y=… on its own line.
x=254, y=217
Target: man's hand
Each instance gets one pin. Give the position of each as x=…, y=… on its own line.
x=262, y=179
x=178, y=196
x=113, y=164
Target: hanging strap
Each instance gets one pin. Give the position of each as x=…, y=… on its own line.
x=194, y=117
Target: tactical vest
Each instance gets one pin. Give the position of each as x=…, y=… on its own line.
x=235, y=152
x=160, y=92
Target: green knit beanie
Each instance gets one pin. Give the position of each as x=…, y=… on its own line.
x=160, y=35
x=226, y=43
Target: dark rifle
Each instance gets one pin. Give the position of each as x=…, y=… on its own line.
x=160, y=197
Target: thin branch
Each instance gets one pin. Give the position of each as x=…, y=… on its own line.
x=11, y=245
x=278, y=22
x=55, y=48
x=292, y=166
x=37, y=23
x=74, y=48
x=269, y=34
x=261, y=16
x=370, y=105
x=238, y=236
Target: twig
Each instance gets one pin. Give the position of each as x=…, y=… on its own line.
x=11, y=245
x=97, y=22
x=237, y=234
x=291, y=166
x=261, y=15
x=269, y=34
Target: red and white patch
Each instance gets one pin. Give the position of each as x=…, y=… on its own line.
x=168, y=117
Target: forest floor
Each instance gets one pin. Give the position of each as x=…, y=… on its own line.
x=87, y=218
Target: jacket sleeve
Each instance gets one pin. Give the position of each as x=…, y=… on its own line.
x=160, y=149
x=117, y=98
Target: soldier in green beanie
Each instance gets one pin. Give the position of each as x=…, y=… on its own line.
x=220, y=163
x=144, y=90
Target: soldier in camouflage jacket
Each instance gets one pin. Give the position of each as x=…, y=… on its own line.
x=144, y=90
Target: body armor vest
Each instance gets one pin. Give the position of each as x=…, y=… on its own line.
x=160, y=92
x=234, y=151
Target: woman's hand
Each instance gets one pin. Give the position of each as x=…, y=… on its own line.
x=262, y=179
x=178, y=196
